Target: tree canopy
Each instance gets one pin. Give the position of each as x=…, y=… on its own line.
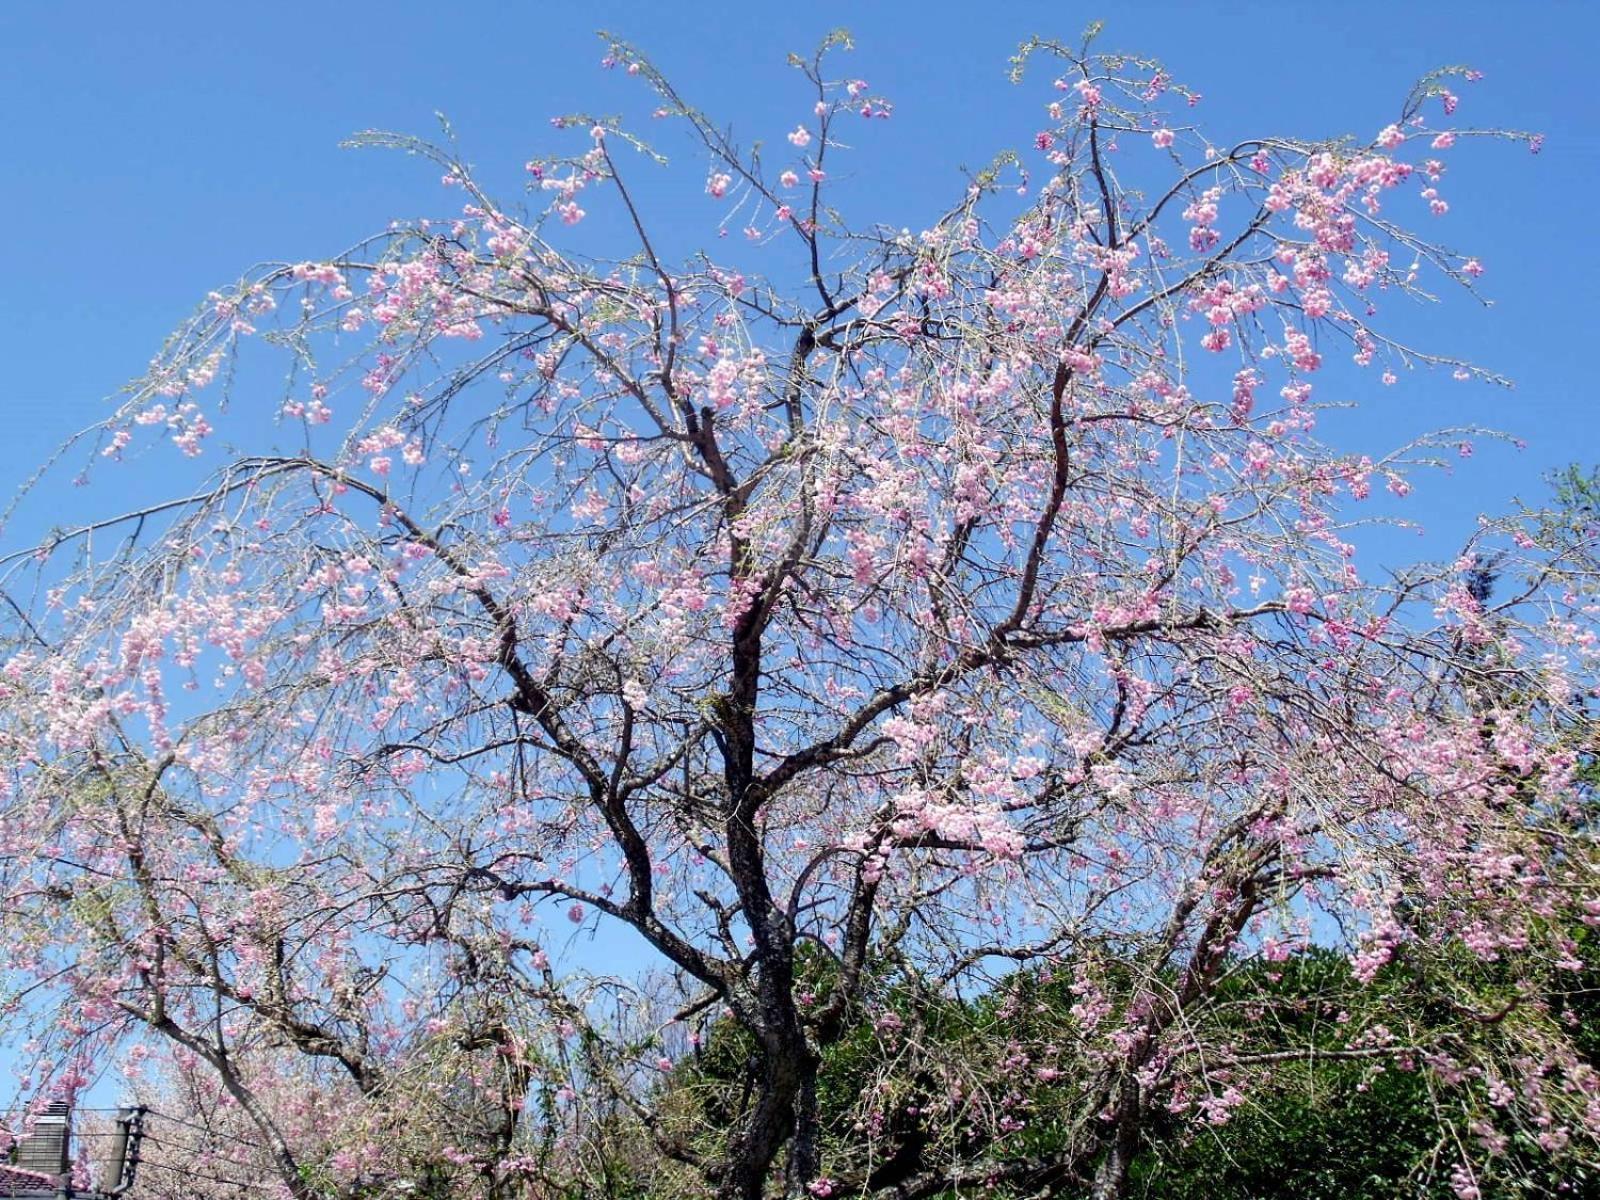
x=847, y=711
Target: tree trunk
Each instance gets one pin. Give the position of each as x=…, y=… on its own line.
x=805, y=1147
x=1111, y=1177
x=754, y=1143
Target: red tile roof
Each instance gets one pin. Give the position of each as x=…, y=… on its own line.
x=15, y=1182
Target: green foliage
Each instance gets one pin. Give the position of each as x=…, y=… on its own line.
x=1577, y=495
x=1318, y=1124
x=1328, y=1131
x=1339, y=1132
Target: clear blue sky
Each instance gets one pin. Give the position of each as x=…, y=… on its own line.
x=155, y=150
